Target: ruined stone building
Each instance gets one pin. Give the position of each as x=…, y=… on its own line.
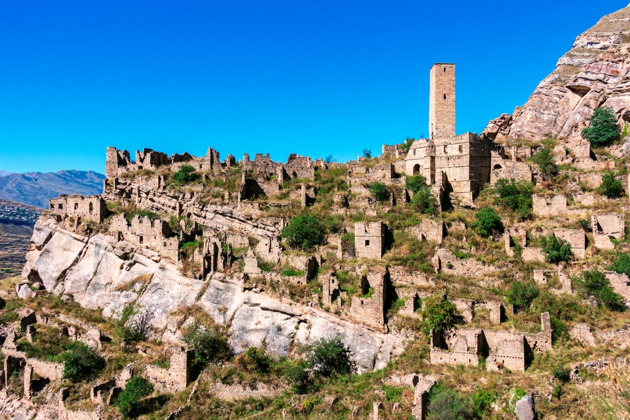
x=91, y=208
x=457, y=164
x=369, y=239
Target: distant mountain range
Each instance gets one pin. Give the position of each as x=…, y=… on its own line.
x=36, y=188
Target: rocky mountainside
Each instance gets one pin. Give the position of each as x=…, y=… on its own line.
x=36, y=188
x=594, y=73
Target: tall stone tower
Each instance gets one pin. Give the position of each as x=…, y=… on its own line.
x=442, y=101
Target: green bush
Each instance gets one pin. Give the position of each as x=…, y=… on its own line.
x=81, y=362
x=556, y=250
x=522, y=294
x=304, y=232
x=129, y=399
x=561, y=373
x=367, y=153
x=424, y=201
x=486, y=221
x=298, y=376
x=446, y=404
x=602, y=129
x=407, y=144
x=482, y=401
x=438, y=314
x=330, y=356
x=185, y=175
x=594, y=283
x=611, y=187
x=621, y=264
x=132, y=325
x=415, y=183
x=546, y=163
x=207, y=344
x=254, y=360
x=379, y=191
x=514, y=195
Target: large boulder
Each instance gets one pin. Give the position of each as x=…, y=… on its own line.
x=525, y=409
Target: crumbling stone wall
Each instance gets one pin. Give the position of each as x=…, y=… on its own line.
x=621, y=284
x=177, y=377
x=369, y=239
x=576, y=238
x=428, y=230
x=549, y=207
x=605, y=226
x=371, y=309
x=142, y=231
x=91, y=208
x=330, y=290
x=506, y=163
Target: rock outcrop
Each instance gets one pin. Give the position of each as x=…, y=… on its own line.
x=593, y=73
x=101, y=273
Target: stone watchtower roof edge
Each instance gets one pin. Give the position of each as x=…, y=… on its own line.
x=441, y=64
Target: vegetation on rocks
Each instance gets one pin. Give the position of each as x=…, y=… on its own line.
x=602, y=129
x=556, y=249
x=304, y=232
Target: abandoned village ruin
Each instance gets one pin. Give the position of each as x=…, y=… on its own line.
x=215, y=243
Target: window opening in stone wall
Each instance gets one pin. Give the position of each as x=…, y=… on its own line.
x=367, y=243
x=76, y=206
x=461, y=148
x=445, y=96
x=91, y=207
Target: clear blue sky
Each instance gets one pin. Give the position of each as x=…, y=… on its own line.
x=312, y=77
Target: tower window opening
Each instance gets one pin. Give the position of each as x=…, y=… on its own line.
x=445, y=96
x=444, y=69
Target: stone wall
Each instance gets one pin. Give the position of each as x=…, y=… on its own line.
x=142, y=231
x=428, y=230
x=545, y=207
x=177, y=377
x=91, y=208
x=576, y=238
x=369, y=239
x=605, y=226
x=371, y=309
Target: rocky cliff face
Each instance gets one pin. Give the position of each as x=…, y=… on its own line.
x=594, y=73
x=101, y=273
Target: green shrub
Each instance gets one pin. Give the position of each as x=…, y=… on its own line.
x=546, y=163
x=330, y=356
x=446, y=404
x=514, y=195
x=486, y=221
x=129, y=399
x=407, y=144
x=347, y=241
x=621, y=264
x=482, y=401
x=521, y=294
x=561, y=373
x=367, y=153
x=292, y=272
x=185, y=175
x=611, y=187
x=602, y=129
x=304, y=232
x=81, y=362
x=379, y=191
x=594, y=283
x=254, y=360
x=298, y=376
x=415, y=183
x=438, y=314
x=207, y=344
x=556, y=250
x=132, y=326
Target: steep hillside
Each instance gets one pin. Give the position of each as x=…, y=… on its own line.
x=594, y=73
x=37, y=188
x=16, y=228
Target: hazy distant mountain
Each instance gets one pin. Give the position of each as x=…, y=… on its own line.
x=4, y=173
x=36, y=188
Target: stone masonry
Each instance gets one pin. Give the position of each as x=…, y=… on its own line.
x=605, y=226
x=442, y=101
x=369, y=239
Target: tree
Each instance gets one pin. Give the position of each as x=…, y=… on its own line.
x=367, y=153
x=556, y=250
x=514, y=195
x=487, y=221
x=136, y=389
x=379, y=191
x=304, y=232
x=81, y=362
x=611, y=187
x=438, y=314
x=185, y=175
x=328, y=356
x=329, y=159
x=521, y=294
x=415, y=183
x=594, y=283
x=602, y=128
x=546, y=163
